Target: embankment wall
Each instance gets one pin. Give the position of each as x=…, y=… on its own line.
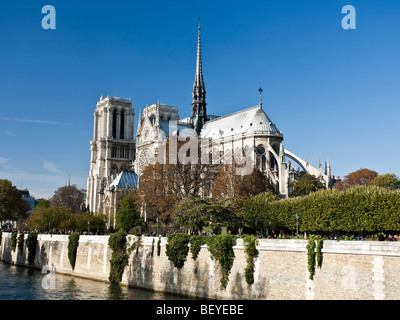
x=350, y=270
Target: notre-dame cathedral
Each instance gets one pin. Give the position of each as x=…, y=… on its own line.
x=118, y=156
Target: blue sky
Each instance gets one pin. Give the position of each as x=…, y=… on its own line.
x=334, y=93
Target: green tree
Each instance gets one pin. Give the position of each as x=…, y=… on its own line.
x=128, y=216
x=387, y=180
x=194, y=213
x=88, y=222
x=49, y=218
x=256, y=211
x=306, y=184
x=12, y=206
x=44, y=203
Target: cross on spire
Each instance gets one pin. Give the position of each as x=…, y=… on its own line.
x=260, y=90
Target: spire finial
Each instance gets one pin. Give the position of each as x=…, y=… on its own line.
x=199, y=21
x=260, y=90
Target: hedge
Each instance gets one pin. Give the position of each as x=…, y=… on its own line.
x=371, y=209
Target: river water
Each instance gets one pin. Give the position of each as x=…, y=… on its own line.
x=21, y=283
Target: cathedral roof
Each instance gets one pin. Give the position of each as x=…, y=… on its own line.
x=247, y=120
x=182, y=128
x=126, y=179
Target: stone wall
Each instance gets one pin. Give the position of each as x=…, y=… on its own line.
x=350, y=269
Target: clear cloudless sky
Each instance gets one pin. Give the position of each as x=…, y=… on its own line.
x=333, y=93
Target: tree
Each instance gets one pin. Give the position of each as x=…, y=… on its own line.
x=88, y=222
x=195, y=213
x=256, y=211
x=44, y=203
x=69, y=197
x=128, y=216
x=165, y=183
x=360, y=177
x=387, y=180
x=306, y=184
x=12, y=206
x=49, y=218
x=229, y=185
x=239, y=188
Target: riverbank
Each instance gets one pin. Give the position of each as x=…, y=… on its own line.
x=350, y=269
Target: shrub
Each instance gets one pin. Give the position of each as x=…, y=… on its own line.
x=31, y=243
x=220, y=248
x=14, y=241
x=21, y=243
x=159, y=246
x=311, y=257
x=195, y=245
x=371, y=209
x=73, y=243
x=250, y=242
x=177, y=248
x=119, y=257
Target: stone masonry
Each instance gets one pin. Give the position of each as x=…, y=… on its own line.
x=351, y=270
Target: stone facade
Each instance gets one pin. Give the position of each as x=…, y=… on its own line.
x=112, y=151
x=351, y=270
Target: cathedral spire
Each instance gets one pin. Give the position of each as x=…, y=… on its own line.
x=199, y=91
x=198, y=86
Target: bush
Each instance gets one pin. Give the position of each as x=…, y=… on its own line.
x=119, y=257
x=45, y=218
x=370, y=208
x=220, y=248
x=21, y=243
x=195, y=245
x=31, y=243
x=73, y=242
x=311, y=257
x=14, y=241
x=177, y=248
x=250, y=242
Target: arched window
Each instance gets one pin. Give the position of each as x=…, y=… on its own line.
x=261, y=159
x=114, y=170
x=273, y=164
x=114, y=124
x=122, y=127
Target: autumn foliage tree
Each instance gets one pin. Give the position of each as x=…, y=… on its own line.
x=170, y=179
x=69, y=197
x=238, y=188
x=361, y=177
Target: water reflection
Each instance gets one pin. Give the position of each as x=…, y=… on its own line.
x=20, y=283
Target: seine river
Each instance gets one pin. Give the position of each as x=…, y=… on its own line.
x=20, y=283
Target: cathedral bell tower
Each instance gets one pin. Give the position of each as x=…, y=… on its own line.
x=199, y=111
x=112, y=147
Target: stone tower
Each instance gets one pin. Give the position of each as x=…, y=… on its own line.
x=112, y=147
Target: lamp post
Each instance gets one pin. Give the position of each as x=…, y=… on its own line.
x=297, y=224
